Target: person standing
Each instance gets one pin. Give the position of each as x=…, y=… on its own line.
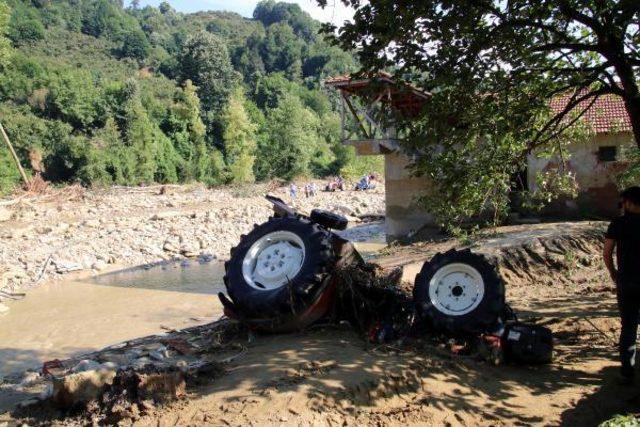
x=293, y=191
x=623, y=235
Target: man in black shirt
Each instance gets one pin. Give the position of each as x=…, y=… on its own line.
x=624, y=235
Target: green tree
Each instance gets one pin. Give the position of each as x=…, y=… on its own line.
x=492, y=66
x=184, y=126
x=135, y=45
x=5, y=44
x=105, y=18
x=204, y=60
x=239, y=139
x=282, y=51
x=156, y=158
x=292, y=140
x=270, y=12
x=25, y=29
x=75, y=98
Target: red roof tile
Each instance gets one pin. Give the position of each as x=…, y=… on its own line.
x=607, y=114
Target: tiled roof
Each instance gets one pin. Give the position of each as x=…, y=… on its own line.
x=607, y=114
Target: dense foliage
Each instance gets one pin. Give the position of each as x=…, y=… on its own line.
x=492, y=66
x=96, y=93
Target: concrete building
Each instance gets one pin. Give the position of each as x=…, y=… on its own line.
x=595, y=163
x=374, y=102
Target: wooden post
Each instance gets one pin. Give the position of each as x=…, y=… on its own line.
x=15, y=156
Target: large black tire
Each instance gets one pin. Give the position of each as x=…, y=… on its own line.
x=473, y=318
x=328, y=219
x=301, y=291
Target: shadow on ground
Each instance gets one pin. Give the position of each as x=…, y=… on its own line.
x=338, y=377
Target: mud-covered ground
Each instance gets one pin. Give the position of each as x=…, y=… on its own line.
x=331, y=376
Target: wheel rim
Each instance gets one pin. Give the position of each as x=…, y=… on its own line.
x=456, y=289
x=273, y=260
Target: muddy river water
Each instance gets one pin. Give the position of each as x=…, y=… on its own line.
x=64, y=319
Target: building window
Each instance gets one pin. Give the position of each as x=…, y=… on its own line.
x=608, y=154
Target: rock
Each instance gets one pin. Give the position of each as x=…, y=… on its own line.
x=343, y=210
x=159, y=355
x=92, y=223
x=44, y=230
x=164, y=215
x=30, y=378
x=85, y=365
x=140, y=363
x=353, y=219
x=80, y=387
x=99, y=265
x=206, y=258
x=5, y=214
x=161, y=386
x=66, y=266
x=189, y=252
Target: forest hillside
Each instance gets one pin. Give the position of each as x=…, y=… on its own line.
x=101, y=94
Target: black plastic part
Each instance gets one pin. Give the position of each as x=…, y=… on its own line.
x=329, y=219
x=529, y=344
x=483, y=317
x=280, y=208
x=302, y=290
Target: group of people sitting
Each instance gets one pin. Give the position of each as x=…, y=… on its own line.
x=367, y=182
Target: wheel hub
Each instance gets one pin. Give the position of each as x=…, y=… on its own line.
x=456, y=289
x=273, y=260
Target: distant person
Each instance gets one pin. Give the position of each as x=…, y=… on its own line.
x=293, y=191
x=313, y=189
x=623, y=235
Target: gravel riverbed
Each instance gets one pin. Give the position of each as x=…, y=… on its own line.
x=44, y=237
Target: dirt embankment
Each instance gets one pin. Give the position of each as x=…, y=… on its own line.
x=74, y=229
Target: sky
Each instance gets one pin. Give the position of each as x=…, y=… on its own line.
x=335, y=12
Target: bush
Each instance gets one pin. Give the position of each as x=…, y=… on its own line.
x=135, y=45
x=25, y=30
x=622, y=421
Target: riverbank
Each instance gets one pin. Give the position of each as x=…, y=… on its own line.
x=83, y=231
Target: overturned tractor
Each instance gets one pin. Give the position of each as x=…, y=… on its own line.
x=286, y=274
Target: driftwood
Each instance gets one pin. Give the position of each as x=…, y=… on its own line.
x=13, y=296
x=14, y=155
x=44, y=269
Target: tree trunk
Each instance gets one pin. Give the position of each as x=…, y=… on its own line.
x=633, y=108
x=627, y=76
